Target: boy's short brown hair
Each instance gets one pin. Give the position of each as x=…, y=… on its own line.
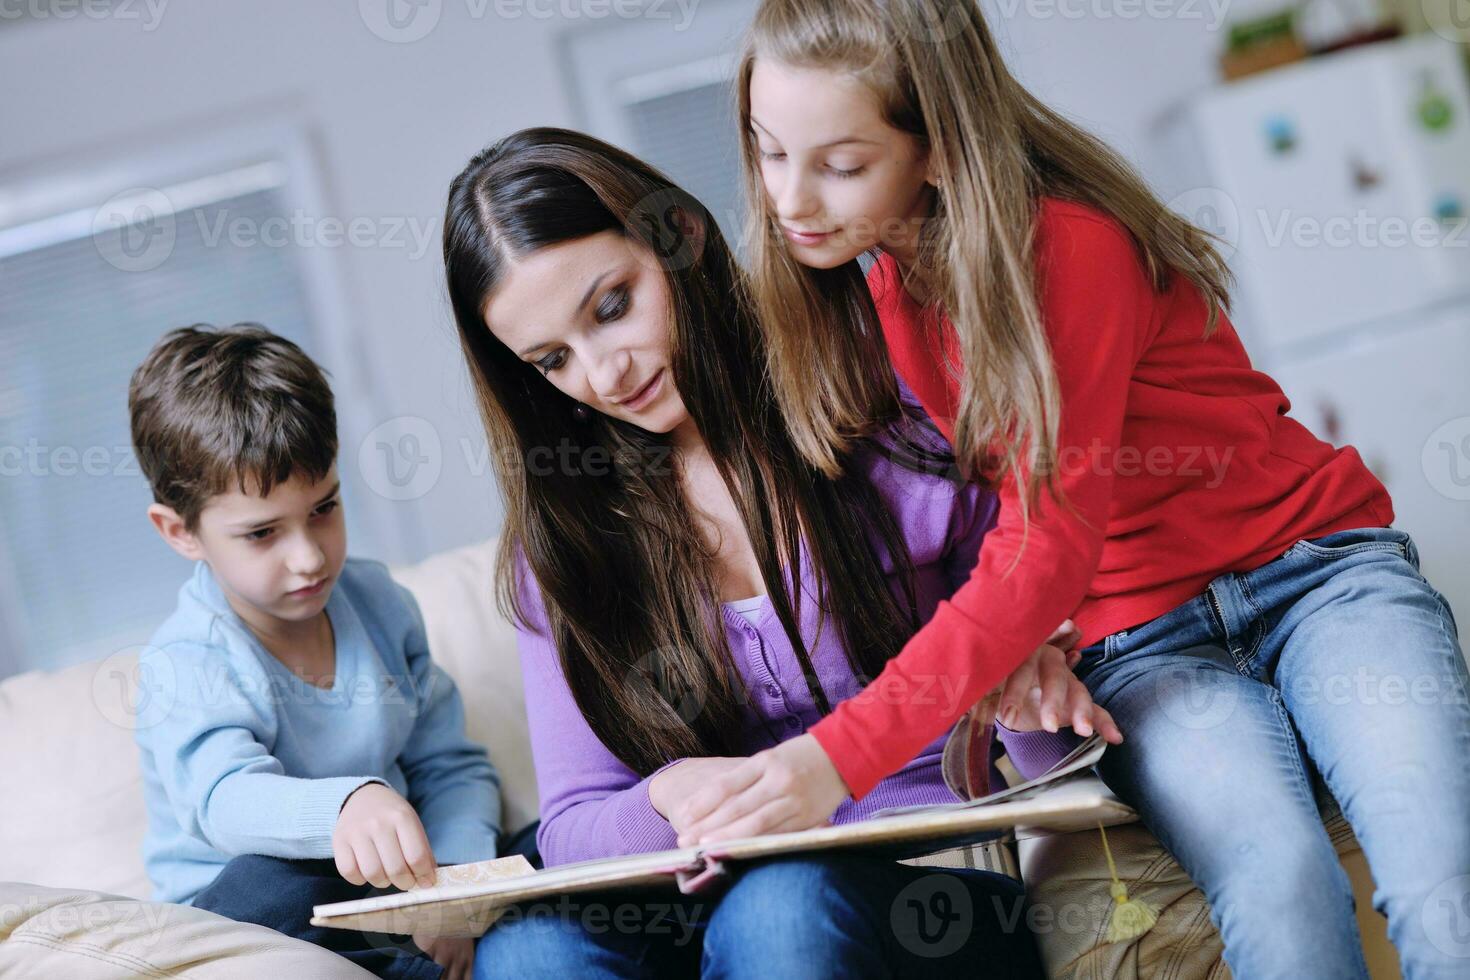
x=239, y=404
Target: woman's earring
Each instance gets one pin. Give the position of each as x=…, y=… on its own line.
x=581, y=414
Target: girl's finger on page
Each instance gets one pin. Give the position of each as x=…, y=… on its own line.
x=1054, y=679
x=1015, y=691
x=1104, y=723
x=1080, y=715
x=1079, y=710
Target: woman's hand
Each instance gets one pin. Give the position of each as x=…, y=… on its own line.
x=670, y=791
x=1043, y=693
x=791, y=786
x=455, y=953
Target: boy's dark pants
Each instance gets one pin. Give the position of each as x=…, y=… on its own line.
x=279, y=893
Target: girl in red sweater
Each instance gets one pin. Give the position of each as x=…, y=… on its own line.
x=1250, y=619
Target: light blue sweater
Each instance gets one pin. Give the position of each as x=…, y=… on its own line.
x=242, y=756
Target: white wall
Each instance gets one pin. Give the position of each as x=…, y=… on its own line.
x=1107, y=64
x=395, y=121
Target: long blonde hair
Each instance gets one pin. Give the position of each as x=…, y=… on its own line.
x=996, y=150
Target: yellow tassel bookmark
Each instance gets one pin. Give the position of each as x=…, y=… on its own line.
x=1131, y=917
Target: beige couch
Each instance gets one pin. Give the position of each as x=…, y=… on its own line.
x=72, y=885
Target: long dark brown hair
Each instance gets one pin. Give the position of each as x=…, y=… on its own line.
x=628, y=583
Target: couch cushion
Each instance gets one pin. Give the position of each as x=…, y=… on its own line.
x=89, y=935
x=74, y=814
x=1067, y=884
x=476, y=646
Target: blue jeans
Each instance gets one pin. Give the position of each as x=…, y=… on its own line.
x=1334, y=669
x=811, y=915
x=279, y=893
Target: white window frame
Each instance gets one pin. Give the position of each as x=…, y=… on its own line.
x=55, y=200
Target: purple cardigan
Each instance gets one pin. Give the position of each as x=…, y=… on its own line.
x=594, y=806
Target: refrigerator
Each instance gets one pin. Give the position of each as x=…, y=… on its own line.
x=1341, y=189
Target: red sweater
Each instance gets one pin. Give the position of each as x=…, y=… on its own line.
x=1178, y=458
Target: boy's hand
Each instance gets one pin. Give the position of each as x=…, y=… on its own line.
x=1043, y=693
x=455, y=953
x=379, y=839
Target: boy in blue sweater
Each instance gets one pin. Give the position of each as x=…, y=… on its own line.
x=298, y=744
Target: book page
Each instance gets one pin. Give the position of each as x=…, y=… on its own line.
x=1062, y=801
